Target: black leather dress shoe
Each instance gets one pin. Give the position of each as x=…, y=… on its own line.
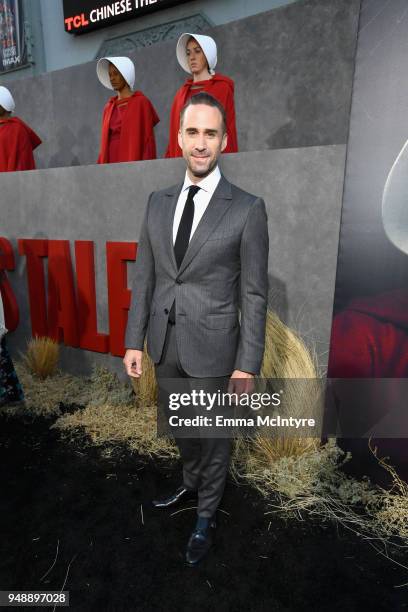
x=182, y=494
x=200, y=542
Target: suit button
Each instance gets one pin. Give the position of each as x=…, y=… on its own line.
x=179, y=281
x=166, y=311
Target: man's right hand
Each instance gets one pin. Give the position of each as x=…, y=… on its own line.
x=133, y=363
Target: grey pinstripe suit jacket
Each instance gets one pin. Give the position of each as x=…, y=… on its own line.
x=224, y=271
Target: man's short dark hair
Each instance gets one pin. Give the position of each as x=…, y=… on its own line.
x=209, y=100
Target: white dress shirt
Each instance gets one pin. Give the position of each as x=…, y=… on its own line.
x=201, y=200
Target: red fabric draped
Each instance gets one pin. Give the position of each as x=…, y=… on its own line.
x=137, y=139
x=222, y=88
x=17, y=142
x=370, y=338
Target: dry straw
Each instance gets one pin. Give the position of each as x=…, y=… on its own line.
x=114, y=414
x=288, y=361
x=298, y=475
x=106, y=424
x=41, y=357
x=295, y=474
x=43, y=397
x=391, y=512
x=275, y=463
x=145, y=387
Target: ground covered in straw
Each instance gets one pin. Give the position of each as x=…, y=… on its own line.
x=78, y=514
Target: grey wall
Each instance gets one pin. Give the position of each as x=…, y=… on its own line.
x=292, y=66
x=302, y=188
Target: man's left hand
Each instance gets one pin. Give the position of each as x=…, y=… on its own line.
x=241, y=382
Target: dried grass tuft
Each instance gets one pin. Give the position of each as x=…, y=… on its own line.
x=298, y=475
x=42, y=356
x=106, y=388
x=287, y=359
x=44, y=396
x=286, y=355
x=114, y=414
x=145, y=387
x=313, y=484
x=392, y=511
x=113, y=424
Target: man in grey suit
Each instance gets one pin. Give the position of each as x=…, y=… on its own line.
x=202, y=258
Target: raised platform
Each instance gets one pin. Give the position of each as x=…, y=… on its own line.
x=292, y=67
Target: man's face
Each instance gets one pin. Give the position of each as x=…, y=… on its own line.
x=3, y=112
x=117, y=81
x=201, y=139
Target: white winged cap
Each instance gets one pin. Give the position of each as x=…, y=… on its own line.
x=125, y=66
x=394, y=202
x=6, y=99
x=207, y=44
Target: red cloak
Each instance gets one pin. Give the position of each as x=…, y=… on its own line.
x=137, y=140
x=370, y=338
x=370, y=341
x=17, y=142
x=222, y=88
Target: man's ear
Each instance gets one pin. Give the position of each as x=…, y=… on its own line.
x=180, y=139
x=224, y=142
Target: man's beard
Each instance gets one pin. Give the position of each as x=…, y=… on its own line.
x=202, y=173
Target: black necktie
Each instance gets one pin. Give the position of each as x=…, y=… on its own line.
x=183, y=237
x=184, y=229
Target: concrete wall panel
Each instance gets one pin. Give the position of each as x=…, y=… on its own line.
x=302, y=189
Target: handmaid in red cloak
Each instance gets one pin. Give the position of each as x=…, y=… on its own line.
x=17, y=139
x=128, y=118
x=197, y=55
x=370, y=336
x=369, y=341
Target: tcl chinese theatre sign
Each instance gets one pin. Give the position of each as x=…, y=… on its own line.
x=84, y=15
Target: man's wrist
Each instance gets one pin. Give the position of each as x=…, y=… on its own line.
x=251, y=369
x=244, y=372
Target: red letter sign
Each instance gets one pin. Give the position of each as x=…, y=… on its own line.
x=89, y=337
x=117, y=254
x=62, y=311
x=10, y=305
x=35, y=250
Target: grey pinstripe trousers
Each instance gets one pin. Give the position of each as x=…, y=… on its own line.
x=205, y=460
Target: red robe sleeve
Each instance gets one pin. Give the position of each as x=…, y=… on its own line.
x=103, y=156
x=232, y=145
x=137, y=140
x=181, y=97
x=17, y=142
x=222, y=88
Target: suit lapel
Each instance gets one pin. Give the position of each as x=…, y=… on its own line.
x=217, y=207
x=172, y=195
